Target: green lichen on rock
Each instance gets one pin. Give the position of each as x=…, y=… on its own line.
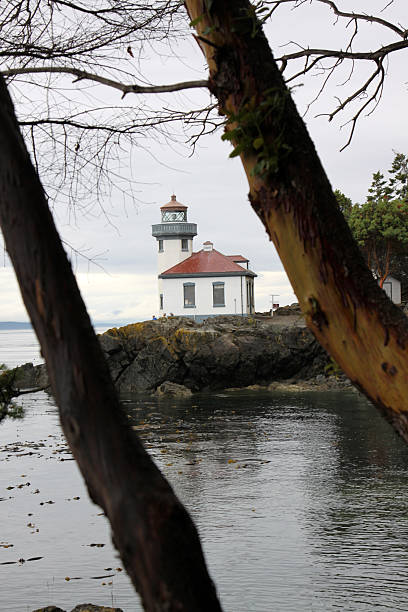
x=8, y=391
x=221, y=352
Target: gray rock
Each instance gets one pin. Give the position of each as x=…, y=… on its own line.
x=171, y=389
x=222, y=352
x=285, y=311
x=49, y=609
x=28, y=376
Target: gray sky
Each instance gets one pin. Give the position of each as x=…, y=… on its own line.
x=212, y=185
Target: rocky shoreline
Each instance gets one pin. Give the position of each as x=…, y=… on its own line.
x=177, y=356
x=222, y=352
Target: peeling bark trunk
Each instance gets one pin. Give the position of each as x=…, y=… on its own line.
x=343, y=305
x=154, y=534
x=386, y=270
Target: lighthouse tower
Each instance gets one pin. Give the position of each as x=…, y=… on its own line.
x=174, y=238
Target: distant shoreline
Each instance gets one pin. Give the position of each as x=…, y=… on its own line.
x=16, y=325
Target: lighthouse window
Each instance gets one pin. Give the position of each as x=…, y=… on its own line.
x=184, y=244
x=174, y=216
x=161, y=248
x=189, y=295
x=218, y=294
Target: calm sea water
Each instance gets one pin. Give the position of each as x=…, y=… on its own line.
x=300, y=499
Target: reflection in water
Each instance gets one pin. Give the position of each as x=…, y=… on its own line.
x=358, y=514
x=300, y=501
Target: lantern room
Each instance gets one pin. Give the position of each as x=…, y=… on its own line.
x=173, y=211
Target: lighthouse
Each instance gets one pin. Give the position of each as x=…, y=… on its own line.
x=201, y=284
x=174, y=236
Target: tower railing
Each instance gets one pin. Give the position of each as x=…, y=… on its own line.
x=174, y=229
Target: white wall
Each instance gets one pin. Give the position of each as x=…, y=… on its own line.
x=392, y=288
x=172, y=253
x=172, y=290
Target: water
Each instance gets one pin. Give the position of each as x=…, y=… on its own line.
x=300, y=499
x=21, y=346
x=18, y=347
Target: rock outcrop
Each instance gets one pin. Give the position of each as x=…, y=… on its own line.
x=28, y=376
x=175, y=356
x=287, y=311
x=221, y=352
x=171, y=389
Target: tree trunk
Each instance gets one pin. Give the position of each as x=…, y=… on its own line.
x=154, y=534
x=344, y=307
x=386, y=270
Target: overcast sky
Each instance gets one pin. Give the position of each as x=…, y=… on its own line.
x=213, y=186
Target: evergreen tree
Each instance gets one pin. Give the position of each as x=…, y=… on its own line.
x=399, y=180
x=380, y=225
x=345, y=204
x=380, y=188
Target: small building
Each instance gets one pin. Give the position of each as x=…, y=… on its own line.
x=198, y=284
x=392, y=288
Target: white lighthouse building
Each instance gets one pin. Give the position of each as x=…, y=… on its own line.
x=201, y=284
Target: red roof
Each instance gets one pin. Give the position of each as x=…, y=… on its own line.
x=237, y=258
x=173, y=205
x=206, y=262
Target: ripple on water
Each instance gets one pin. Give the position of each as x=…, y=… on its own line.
x=300, y=501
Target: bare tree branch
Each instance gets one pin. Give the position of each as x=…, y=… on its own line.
x=317, y=59
x=347, y=14
x=105, y=42
x=379, y=54
x=364, y=17
x=81, y=75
